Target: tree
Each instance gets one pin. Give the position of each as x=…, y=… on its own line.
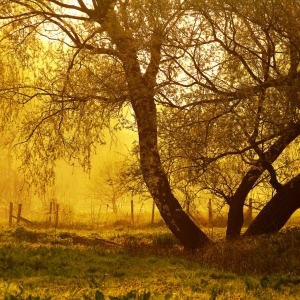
x=13, y=187
x=105, y=185
x=245, y=72
x=209, y=84
x=261, y=39
x=92, y=46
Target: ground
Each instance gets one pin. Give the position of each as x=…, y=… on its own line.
x=149, y=264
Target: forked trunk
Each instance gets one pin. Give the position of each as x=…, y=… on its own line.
x=235, y=214
x=278, y=210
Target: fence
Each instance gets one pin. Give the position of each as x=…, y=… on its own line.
x=18, y=217
x=54, y=209
x=53, y=212
x=53, y=215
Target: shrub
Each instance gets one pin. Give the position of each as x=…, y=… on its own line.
x=23, y=234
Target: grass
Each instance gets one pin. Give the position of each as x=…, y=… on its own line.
x=43, y=264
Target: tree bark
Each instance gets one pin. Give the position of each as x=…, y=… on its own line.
x=141, y=94
x=278, y=210
x=236, y=213
x=236, y=204
x=156, y=180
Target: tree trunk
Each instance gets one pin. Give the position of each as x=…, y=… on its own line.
x=278, y=210
x=180, y=224
x=141, y=93
x=236, y=204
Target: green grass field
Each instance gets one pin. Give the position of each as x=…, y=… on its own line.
x=148, y=264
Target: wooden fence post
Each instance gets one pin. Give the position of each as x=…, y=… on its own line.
x=19, y=213
x=56, y=215
x=50, y=213
x=10, y=214
x=132, y=217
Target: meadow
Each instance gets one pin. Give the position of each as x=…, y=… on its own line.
x=145, y=262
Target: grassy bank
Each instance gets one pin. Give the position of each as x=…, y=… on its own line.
x=150, y=264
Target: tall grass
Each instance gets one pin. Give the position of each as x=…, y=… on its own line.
x=265, y=254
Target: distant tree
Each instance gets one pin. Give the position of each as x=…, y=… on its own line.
x=106, y=186
x=13, y=187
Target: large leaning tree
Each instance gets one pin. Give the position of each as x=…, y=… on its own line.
x=80, y=63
